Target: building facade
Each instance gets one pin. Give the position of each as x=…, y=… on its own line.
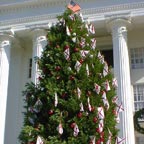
x=119, y=31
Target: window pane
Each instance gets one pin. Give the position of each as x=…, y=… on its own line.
x=138, y=96
x=137, y=58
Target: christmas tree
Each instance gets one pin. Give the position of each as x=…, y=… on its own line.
x=74, y=101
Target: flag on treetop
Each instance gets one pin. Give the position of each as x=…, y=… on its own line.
x=73, y=6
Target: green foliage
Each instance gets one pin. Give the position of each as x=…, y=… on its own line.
x=60, y=76
x=138, y=115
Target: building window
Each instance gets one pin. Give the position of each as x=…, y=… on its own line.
x=137, y=58
x=108, y=56
x=138, y=97
x=30, y=68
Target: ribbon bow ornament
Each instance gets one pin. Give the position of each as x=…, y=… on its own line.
x=114, y=100
x=76, y=130
x=79, y=93
x=87, y=70
x=101, y=58
x=81, y=107
x=92, y=29
x=68, y=31
x=89, y=105
x=105, y=70
x=81, y=16
x=100, y=113
x=92, y=139
x=39, y=140
x=105, y=101
x=97, y=88
x=78, y=66
x=37, y=106
x=119, y=140
x=93, y=43
x=74, y=38
x=67, y=53
x=82, y=43
x=100, y=126
x=60, y=128
x=56, y=100
x=107, y=86
x=114, y=83
x=84, y=53
x=120, y=108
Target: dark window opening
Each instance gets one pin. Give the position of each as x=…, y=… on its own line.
x=108, y=56
x=30, y=68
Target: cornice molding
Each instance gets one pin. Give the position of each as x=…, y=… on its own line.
x=21, y=6
x=92, y=14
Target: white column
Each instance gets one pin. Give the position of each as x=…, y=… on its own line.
x=122, y=73
x=5, y=46
x=39, y=43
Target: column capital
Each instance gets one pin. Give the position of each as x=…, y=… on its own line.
x=38, y=34
x=5, y=39
x=118, y=20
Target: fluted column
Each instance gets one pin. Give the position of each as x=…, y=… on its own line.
x=122, y=73
x=5, y=49
x=39, y=43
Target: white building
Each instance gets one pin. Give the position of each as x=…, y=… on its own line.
x=22, y=36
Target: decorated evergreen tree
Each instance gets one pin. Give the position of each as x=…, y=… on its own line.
x=74, y=101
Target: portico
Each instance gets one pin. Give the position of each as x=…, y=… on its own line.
x=27, y=31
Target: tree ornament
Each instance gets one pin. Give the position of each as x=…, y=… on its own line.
x=80, y=114
x=91, y=29
x=67, y=52
x=87, y=70
x=114, y=83
x=93, y=43
x=50, y=112
x=60, y=129
x=39, y=140
x=72, y=78
x=105, y=100
x=79, y=93
x=76, y=130
x=72, y=125
x=81, y=61
x=84, y=53
x=56, y=100
x=38, y=105
x=119, y=140
x=107, y=86
x=78, y=66
x=101, y=58
x=92, y=140
x=58, y=68
x=89, y=105
x=74, y=38
x=68, y=31
x=100, y=126
x=95, y=119
x=89, y=93
x=76, y=49
x=114, y=100
x=100, y=113
x=82, y=42
x=81, y=107
x=97, y=88
x=105, y=70
x=58, y=77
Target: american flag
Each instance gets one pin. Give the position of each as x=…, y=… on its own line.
x=73, y=6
